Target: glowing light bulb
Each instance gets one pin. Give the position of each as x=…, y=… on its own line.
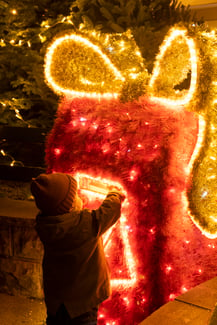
x=126, y=300
x=57, y=151
x=184, y=289
x=110, y=129
x=95, y=126
x=42, y=38
x=168, y=268
x=172, y=296
x=133, y=75
x=133, y=174
x=204, y=194
x=18, y=114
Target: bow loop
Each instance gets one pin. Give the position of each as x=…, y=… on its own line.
x=92, y=65
x=175, y=73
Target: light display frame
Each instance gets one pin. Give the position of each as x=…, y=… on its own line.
x=99, y=119
x=102, y=188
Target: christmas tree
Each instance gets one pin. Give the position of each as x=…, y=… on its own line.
x=149, y=21
x=25, y=27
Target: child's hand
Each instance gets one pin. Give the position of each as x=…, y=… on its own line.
x=118, y=191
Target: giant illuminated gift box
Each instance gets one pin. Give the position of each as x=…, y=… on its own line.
x=157, y=141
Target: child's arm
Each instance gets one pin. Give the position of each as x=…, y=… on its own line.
x=108, y=213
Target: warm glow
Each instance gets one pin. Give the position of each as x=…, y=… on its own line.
x=202, y=166
x=98, y=187
x=86, y=43
x=156, y=147
x=200, y=140
x=2, y=152
x=175, y=34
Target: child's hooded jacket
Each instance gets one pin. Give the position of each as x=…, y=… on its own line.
x=75, y=270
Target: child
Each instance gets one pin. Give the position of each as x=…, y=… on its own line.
x=75, y=271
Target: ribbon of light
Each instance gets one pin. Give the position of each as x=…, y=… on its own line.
x=175, y=33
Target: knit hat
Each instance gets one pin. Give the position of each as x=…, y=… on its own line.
x=54, y=193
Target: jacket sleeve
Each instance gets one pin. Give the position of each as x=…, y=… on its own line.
x=108, y=213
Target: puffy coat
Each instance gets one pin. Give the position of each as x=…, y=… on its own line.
x=75, y=270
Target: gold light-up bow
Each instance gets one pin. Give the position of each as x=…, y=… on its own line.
x=104, y=65
x=111, y=66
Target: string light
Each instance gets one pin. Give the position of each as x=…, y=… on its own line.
x=176, y=34
x=18, y=114
x=13, y=161
x=95, y=186
x=57, y=151
x=133, y=174
x=172, y=296
x=77, y=83
x=2, y=43
x=184, y=289
x=84, y=43
x=168, y=268
x=3, y=153
x=42, y=38
x=200, y=141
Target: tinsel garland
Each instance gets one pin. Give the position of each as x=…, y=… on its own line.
x=146, y=148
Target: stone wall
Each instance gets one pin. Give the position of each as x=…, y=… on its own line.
x=20, y=249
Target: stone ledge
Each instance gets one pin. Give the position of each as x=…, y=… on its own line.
x=21, y=250
x=17, y=209
x=194, y=307
x=15, y=310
